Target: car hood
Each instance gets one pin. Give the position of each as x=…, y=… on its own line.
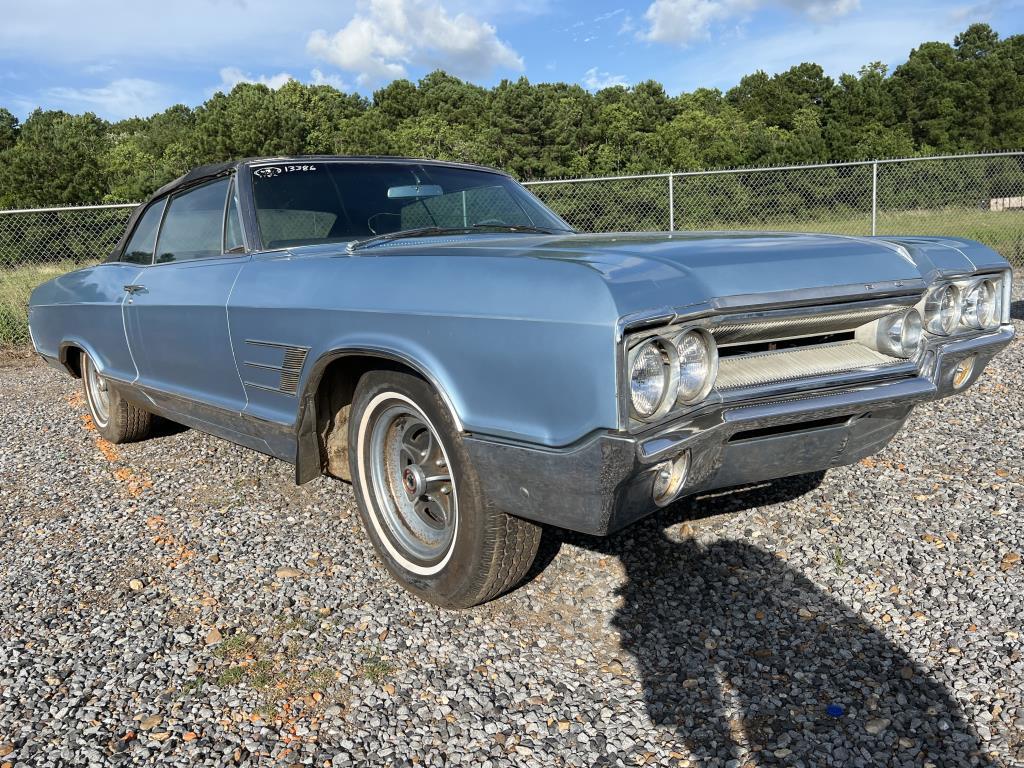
x=748, y=268
x=652, y=271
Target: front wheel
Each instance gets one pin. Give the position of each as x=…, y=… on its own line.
x=115, y=418
x=421, y=501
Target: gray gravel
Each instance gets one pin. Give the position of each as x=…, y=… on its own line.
x=180, y=601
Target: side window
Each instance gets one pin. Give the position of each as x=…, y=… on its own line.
x=140, y=246
x=233, y=241
x=193, y=226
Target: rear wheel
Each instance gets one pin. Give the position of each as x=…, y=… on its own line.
x=421, y=501
x=115, y=418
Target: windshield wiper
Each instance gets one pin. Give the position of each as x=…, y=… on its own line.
x=401, y=234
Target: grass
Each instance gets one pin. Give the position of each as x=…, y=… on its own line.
x=277, y=674
x=16, y=285
x=838, y=559
x=231, y=676
x=375, y=667
x=194, y=686
x=1003, y=231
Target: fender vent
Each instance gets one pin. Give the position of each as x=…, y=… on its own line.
x=279, y=368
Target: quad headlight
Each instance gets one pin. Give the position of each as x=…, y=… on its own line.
x=942, y=309
x=966, y=304
x=900, y=335
x=653, y=377
x=671, y=370
x=698, y=365
x=980, y=305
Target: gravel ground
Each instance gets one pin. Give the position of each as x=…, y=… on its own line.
x=180, y=601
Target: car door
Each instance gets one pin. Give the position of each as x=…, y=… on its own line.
x=176, y=313
x=91, y=315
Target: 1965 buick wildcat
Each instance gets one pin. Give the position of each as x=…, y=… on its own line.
x=436, y=335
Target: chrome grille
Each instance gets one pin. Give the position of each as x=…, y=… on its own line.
x=762, y=368
x=775, y=328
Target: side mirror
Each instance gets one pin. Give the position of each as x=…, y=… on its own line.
x=414, y=191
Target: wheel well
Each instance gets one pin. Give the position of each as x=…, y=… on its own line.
x=71, y=358
x=333, y=402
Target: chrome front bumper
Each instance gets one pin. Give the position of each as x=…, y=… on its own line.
x=604, y=482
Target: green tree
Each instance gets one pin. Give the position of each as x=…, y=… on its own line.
x=54, y=161
x=8, y=129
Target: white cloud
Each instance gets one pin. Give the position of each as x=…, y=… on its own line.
x=385, y=37
x=125, y=97
x=319, y=78
x=232, y=76
x=683, y=21
x=595, y=81
x=609, y=15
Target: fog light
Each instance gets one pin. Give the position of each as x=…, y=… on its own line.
x=669, y=478
x=962, y=372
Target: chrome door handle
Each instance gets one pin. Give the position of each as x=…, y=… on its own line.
x=134, y=288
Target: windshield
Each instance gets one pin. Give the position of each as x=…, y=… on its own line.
x=325, y=202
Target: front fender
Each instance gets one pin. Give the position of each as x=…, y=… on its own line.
x=523, y=349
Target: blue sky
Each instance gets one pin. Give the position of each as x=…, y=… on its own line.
x=120, y=58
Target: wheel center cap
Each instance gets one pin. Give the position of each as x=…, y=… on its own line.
x=413, y=481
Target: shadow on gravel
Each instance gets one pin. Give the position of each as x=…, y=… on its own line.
x=736, y=648
x=1017, y=310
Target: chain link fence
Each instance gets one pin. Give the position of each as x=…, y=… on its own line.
x=980, y=197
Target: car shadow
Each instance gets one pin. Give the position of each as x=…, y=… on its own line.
x=165, y=427
x=740, y=653
x=1017, y=309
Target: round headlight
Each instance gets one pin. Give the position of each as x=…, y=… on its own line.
x=652, y=376
x=942, y=310
x=902, y=334
x=980, y=308
x=698, y=365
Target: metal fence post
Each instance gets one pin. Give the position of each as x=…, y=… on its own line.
x=874, y=198
x=671, y=204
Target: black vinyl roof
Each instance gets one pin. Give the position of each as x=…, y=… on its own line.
x=216, y=169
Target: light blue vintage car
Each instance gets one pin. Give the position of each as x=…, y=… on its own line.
x=436, y=335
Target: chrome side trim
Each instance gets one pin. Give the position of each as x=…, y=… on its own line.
x=268, y=366
x=262, y=386
x=278, y=344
